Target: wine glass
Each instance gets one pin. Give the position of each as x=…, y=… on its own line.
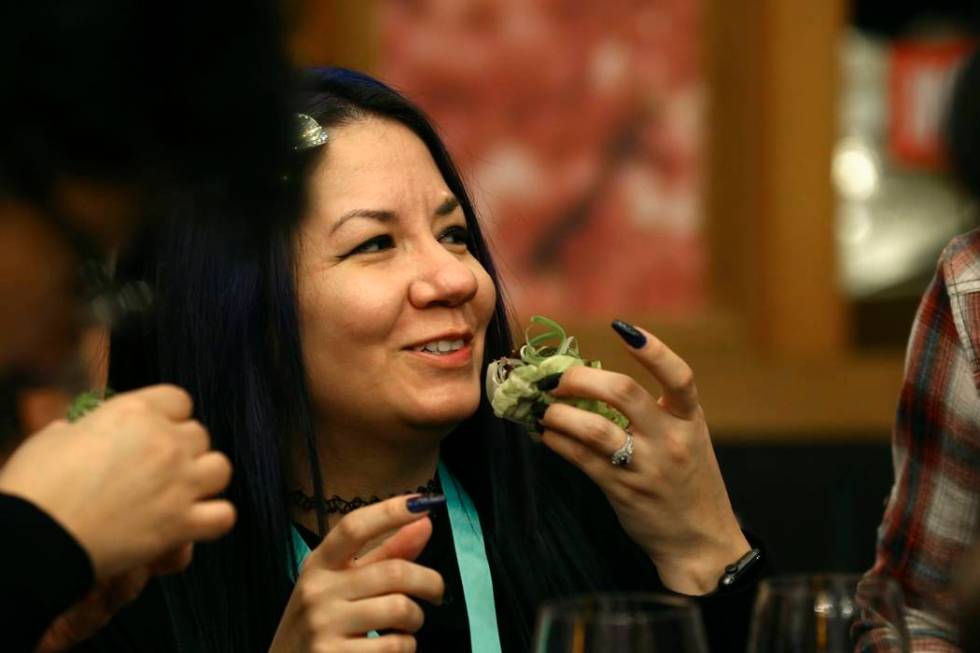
x=620, y=623
x=834, y=613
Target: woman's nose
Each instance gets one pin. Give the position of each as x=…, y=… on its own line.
x=442, y=280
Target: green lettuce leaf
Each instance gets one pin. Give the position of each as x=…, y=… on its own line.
x=511, y=383
x=85, y=402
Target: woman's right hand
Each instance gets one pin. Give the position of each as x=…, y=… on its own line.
x=340, y=597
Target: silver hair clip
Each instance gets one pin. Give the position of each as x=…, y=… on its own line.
x=309, y=133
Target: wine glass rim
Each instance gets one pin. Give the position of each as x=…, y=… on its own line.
x=832, y=575
x=785, y=581
x=669, y=606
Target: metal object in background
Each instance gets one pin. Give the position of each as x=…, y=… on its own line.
x=897, y=205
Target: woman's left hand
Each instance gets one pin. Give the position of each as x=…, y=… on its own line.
x=670, y=498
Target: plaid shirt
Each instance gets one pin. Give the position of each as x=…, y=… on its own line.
x=931, y=518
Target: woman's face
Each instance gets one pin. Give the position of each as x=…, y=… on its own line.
x=393, y=306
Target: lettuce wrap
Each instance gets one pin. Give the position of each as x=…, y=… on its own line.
x=511, y=383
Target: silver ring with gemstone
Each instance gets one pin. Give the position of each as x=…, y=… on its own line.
x=622, y=456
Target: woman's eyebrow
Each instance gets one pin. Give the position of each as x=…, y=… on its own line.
x=448, y=205
x=371, y=214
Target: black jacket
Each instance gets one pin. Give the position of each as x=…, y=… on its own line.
x=43, y=571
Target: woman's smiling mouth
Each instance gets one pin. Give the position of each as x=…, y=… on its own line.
x=447, y=350
x=443, y=346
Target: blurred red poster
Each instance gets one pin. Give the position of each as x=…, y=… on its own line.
x=577, y=126
x=921, y=76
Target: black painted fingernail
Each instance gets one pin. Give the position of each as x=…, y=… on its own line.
x=424, y=503
x=549, y=382
x=629, y=333
x=538, y=410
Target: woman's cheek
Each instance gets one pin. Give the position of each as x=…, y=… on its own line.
x=363, y=303
x=487, y=295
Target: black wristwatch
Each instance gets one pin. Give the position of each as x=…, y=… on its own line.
x=743, y=569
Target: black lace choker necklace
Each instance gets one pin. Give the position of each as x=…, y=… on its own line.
x=336, y=505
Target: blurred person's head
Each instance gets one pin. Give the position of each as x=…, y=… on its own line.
x=963, y=126
x=113, y=109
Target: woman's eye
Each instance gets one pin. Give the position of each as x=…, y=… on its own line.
x=456, y=235
x=376, y=244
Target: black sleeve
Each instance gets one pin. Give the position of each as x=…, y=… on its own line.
x=727, y=612
x=727, y=615
x=44, y=571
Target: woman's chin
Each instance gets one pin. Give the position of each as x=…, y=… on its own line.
x=443, y=414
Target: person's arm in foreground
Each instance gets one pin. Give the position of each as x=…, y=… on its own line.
x=118, y=495
x=931, y=516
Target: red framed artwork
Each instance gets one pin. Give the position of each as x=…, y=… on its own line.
x=577, y=126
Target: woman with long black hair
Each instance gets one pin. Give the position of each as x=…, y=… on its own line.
x=346, y=365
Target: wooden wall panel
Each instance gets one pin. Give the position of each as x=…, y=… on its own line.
x=802, y=311
x=772, y=69
x=334, y=33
